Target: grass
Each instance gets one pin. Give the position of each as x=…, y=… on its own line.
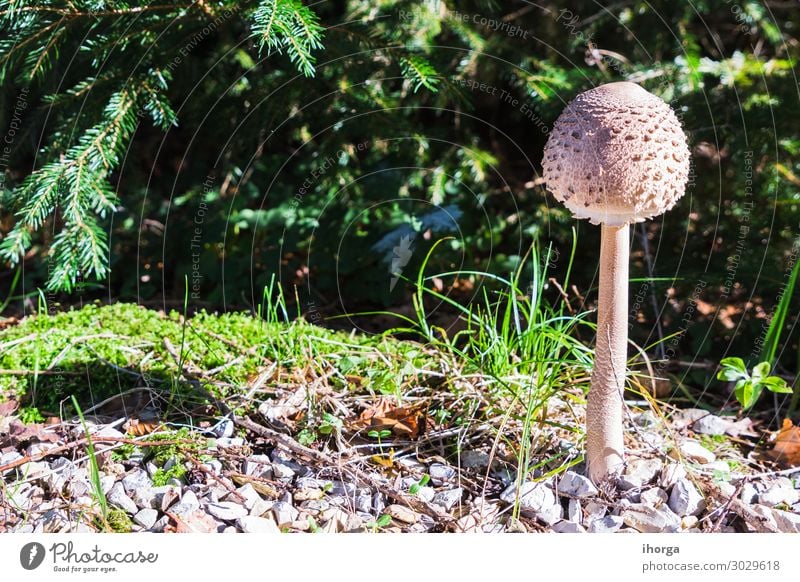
x=507, y=381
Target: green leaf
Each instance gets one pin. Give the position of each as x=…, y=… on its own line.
x=734, y=363
x=747, y=393
x=384, y=520
x=761, y=370
x=775, y=384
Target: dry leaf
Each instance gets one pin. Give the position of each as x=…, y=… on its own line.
x=386, y=461
x=403, y=421
x=138, y=427
x=19, y=433
x=787, y=445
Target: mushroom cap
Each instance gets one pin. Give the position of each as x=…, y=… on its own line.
x=616, y=155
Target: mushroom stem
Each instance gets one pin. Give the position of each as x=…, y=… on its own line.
x=604, y=439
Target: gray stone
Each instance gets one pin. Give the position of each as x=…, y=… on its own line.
x=607, y=524
x=187, y=504
x=655, y=497
x=136, y=479
x=639, y=472
x=647, y=519
x=282, y=472
x=426, y=493
x=378, y=502
x=780, y=491
x=247, y=494
x=574, y=511
x=594, y=510
x=252, y=524
x=550, y=515
x=533, y=497
x=710, y=424
x=448, y=498
x=694, y=451
x=685, y=499
x=260, y=507
x=474, y=460
x=258, y=466
x=226, y=510
x=441, y=474
x=671, y=474
x=749, y=493
x=146, y=518
x=787, y=522
x=568, y=527
x=284, y=513
x=363, y=502
x=117, y=497
x=342, y=488
x=576, y=485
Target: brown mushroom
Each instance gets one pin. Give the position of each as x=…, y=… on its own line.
x=616, y=155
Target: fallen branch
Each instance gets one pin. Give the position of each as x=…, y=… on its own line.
x=748, y=515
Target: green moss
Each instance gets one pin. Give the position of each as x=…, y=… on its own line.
x=99, y=351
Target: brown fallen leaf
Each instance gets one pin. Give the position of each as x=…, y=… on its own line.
x=787, y=445
x=138, y=427
x=403, y=421
x=19, y=433
x=195, y=522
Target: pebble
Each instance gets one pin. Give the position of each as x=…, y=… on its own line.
x=305, y=494
x=568, y=527
x=226, y=442
x=474, y=460
x=260, y=507
x=654, y=497
x=533, y=497
x=694, y=451
x=247, y=493
x=780, y=492
x=118, y=497
x=685, y=499
x=252, y=524
x=426, y=493
x=136, y=479
x=749, y=494
x=639, y=472
x=689, y=521
x=448, y=498
x=786, y=521
x=284, y=513
x=146, y=518
x=671, y=474
x=226, y=510
x=258, y=466
x=402, y=513
x=440, y=474
x=342, y=488
x=282, y=472
x=378, y=502
x=710, y=424
x=187, y=504
x=363, y=502
x=54, y=521
x=647, y=519
x=576, y=485
x=607, y=524
x=574, y=511
x=594, y=510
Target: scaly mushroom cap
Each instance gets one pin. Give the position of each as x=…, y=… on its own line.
x=617, y=154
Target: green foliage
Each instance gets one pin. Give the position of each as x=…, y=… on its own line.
x=30, y=415
x=749, y=385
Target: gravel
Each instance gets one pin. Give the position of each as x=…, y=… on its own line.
x=685, y=499
x=226, y=510
x=118, y=498
x=575, y=485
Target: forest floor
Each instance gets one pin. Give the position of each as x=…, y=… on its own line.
x=233, y=423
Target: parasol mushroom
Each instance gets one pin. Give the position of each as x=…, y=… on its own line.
x=616, y=155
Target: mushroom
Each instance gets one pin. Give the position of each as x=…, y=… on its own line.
x=616, y=155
